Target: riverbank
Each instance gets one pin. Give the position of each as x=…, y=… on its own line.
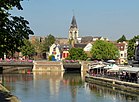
x=115, y=84
x=6, y=96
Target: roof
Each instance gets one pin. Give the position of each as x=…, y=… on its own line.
x=79, y=45
x=65, y=47
x=131, y=69
x=86, y=39
x=73, y=23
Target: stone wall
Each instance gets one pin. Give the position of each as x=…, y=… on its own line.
x=115, y=84
x=55, y=66
x=47, y=66
x=85, y=65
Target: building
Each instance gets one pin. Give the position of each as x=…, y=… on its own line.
x=90, y=39
x=73, y=31
x=65, y=50
x=59, y=51
x=122, y=46
x=55, y=51
x=62, y=41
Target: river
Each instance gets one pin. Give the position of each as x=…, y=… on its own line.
x=61, y=87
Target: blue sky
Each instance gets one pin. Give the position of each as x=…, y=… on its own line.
x=106, y=18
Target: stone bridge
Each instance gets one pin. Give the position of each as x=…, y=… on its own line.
x=6, y=67
x=42, y=65
x=59, y=66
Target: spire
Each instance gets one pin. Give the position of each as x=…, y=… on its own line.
x=73, y=23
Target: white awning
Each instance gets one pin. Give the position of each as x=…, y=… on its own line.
x=131, y=69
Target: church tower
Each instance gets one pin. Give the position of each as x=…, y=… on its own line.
x=73, y=31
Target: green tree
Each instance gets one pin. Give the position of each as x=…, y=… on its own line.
x=103, y=50
x=123, y=38
x=49, y=40
x=13, y=29
x=28, y=49
x=77, y=54
x=131, y=47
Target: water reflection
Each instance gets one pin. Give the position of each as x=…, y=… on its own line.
x=107, y=92
x=61, y=87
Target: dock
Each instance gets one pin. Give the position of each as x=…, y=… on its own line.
x=115, y=84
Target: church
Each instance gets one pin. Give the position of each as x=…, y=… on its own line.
x=73, y=31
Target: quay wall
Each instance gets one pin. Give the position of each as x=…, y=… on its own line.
x=115, y=84
x=47, y=66
x=84, y=65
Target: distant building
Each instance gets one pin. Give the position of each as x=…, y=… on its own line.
x=100, y=38
x=122, y=46
x=87, y=39
x=62, y=41
x=73, y=31
x=32, y=39
x=86, y=47
x=65, y=50
x=90, y=39
x=59, y=52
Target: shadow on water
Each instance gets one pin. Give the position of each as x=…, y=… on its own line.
x=73, y=70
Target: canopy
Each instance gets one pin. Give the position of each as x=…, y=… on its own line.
x=131, y=69
x=114, y=68
x=109, y=66
x=98, y=66
x=111, y=61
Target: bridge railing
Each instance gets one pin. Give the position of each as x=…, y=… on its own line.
x=16, y=63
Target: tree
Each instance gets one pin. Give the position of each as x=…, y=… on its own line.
x=28, y=49
x=103, y=50
x=13, y=29
x=131, y=47
x=49, y=40
x=123, y=38
x=77, y=54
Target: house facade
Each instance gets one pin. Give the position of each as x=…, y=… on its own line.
x=59, y=52
x=55, y=51
x=122, y=46
x=65, y=51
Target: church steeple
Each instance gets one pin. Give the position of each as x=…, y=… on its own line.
x=73, y=31
x=73, y=23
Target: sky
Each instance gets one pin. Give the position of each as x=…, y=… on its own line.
x=98, y=18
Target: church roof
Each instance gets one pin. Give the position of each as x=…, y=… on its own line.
x=73, y=23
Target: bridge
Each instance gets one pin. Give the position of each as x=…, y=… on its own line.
x=6, y=67
x=72, y=66
x=42, y=65
x=59, y=66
